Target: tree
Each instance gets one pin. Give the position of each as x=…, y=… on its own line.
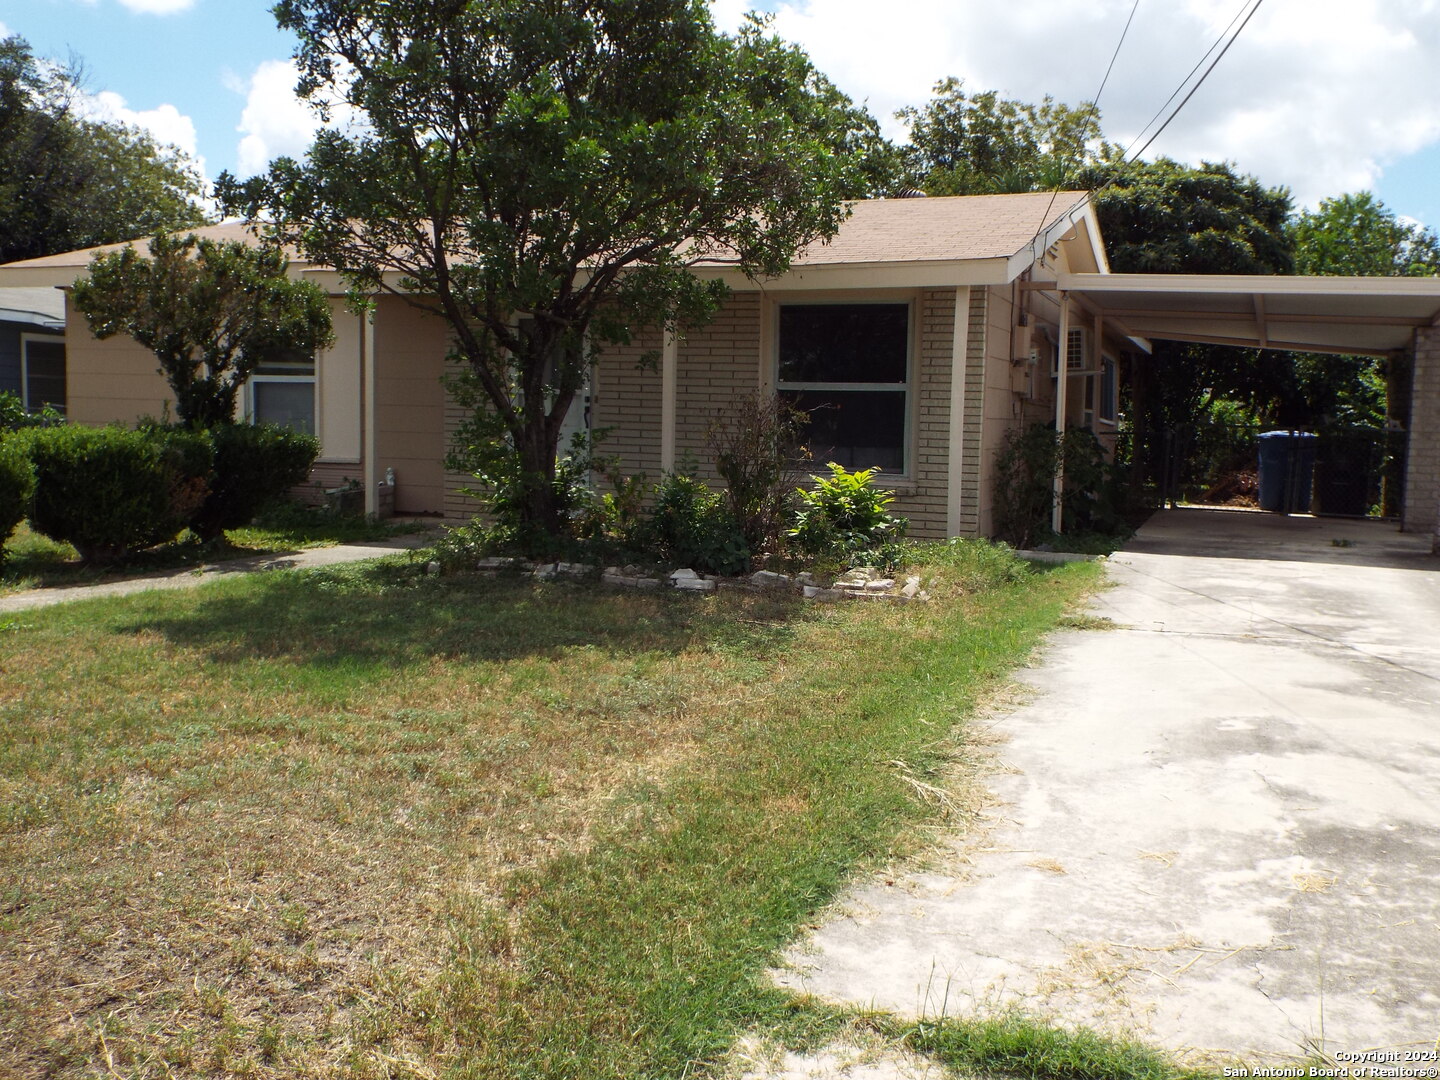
x=210, y=312
x=1358, y=235
x=979, y=144
x=543, y=174
x=67, y=182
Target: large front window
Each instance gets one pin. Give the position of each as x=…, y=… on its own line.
x=848, y=366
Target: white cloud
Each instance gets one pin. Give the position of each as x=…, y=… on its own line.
x=275, y=122
x=1318, y=95
x=168, y=124
x=158, y=7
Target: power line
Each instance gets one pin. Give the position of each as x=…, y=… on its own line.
x=1198, y=83
x=1115, y=56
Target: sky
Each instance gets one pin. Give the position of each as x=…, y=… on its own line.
x=1322, y=96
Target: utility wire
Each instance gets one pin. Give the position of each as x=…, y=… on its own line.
x=1200, y=82
x=1095, y=104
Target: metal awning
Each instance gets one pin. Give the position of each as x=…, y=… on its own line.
x=1367, y=316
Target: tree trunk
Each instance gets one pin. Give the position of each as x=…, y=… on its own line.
x=540, y=510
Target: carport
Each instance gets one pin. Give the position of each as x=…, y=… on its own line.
x=1365, y=316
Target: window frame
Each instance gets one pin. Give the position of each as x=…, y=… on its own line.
x=262, y=376
x=1108, y=402
x=907, y=388
x=44, y=339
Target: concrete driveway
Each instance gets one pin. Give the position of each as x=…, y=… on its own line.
x=1216, y=826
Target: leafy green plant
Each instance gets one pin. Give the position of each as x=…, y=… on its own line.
x=13, y=416
x=110, y=491
x=255, y=465
x=756, y=444
x=1025, y=486
x=17, y=485
x=691, y=525
x=845, y=516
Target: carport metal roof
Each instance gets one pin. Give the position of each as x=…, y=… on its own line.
x=1369, y=315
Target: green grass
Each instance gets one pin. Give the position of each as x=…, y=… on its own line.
x=34, y=561
x=366, y=823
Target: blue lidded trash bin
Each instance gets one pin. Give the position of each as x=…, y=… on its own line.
x=1287, y=466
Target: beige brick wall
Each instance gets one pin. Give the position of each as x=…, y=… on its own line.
x=626, y=400
x=1422, y=483
x=717, y=365
x=925, y=499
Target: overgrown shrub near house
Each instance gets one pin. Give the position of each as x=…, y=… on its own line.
x=756, y=444
x=110, y=491
x=17, y=485
x=846, y=517
x=691, y=525
x=13, y=416
x=1024, y=493
x=255, y=465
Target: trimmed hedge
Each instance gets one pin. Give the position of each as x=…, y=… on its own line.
x=110, y=491
x=255, y=465
x=17, y=486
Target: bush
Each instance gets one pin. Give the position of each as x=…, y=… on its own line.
x=846, y=517
x=692, y=526
x=13, y=416
x=756, y=444
x=255, y=465
x=17, y=485
x=110, y=491
x=1025, y=485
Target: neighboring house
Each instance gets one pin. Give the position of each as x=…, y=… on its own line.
x=32, y=346
x=923, y=333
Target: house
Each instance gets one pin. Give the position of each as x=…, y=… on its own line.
x=923, y=333
x=32, y=347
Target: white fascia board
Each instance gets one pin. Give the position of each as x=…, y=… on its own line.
x=1268, y=284
x=882, y=275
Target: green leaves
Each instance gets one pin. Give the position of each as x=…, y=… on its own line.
x=67, y=182
x=210, y=311
x=562, y=160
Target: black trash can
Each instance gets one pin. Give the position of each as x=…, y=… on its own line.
x=1287, y=466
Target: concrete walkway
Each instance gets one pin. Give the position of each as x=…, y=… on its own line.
x=1217, y=826
x=189, y=576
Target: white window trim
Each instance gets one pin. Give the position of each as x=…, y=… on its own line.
x=1113, y=402
x=908, y=450
x=255, y=380
x=47, y=339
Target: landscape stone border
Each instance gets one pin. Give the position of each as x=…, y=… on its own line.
x=858, y=583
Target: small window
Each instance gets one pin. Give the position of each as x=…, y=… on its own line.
x=42, y=373
x=847, y=366
x=282, y=391
x=1109, y=391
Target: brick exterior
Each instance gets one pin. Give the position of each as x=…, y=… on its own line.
x=626, y=405
x=1422, y=481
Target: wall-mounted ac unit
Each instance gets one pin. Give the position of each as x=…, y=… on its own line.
x=1077, y=354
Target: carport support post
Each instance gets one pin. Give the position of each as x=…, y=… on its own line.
x=1062, y=410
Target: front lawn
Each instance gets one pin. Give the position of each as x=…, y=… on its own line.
x=364, y=822
x=34, y=561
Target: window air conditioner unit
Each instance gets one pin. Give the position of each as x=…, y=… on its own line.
x=1077, y=353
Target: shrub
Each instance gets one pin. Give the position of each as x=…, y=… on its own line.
x=756, y=444
x=692, y=526
x=13, y=416
x=1025, y=485
x=255, y=465
x=17, y=485
x=110, y=491
x=846, y=517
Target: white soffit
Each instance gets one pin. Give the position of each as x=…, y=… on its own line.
x=1370, y=315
